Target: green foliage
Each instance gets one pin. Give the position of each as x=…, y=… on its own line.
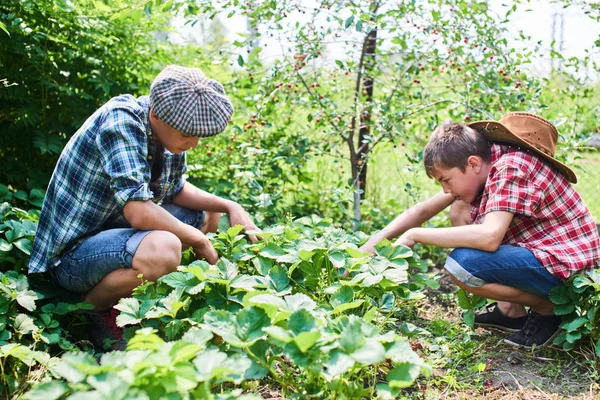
x=470, y=303
x=281, y=310
x=17, y=229
x=64, y=59
x=34, y=324
x=578, y=302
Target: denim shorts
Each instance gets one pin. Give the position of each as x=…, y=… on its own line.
x=82, y=267
x=512, y=266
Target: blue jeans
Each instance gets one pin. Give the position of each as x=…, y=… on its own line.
x=509, y=265
x=82, y=267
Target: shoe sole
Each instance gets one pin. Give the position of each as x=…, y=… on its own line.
x=499, y=327
x=537, y=346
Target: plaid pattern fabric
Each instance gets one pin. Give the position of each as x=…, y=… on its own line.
x=550, y=218
x=190, y=102
x=107, y=163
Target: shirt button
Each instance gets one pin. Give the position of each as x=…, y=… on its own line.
x=149, y=157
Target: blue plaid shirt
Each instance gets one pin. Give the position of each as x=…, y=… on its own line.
x=107, y=163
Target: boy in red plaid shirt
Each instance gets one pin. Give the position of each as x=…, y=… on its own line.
x=519, y=226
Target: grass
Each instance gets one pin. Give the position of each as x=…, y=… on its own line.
x=476, y=363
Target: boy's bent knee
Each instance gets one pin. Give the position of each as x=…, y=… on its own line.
x=211, y=222
x=459, y=264
x=460, y=213
x=158, y=254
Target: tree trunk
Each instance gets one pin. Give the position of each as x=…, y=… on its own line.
x=364, y=134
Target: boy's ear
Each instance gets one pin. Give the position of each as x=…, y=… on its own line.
x=475, y=163
x=153, y=116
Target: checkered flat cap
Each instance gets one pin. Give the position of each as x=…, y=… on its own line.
x=190, y=102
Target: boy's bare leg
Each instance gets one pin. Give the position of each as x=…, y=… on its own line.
x=514, y=297
x=460, y=214
x=158, y=254
x=211, y=222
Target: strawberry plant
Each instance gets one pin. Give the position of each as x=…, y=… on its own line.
x=578, y=301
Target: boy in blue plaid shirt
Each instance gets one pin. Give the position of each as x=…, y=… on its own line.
x=118, y=205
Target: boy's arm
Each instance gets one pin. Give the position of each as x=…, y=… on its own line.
x=145, y=215
x=413, y=217
x=485, y=236
x=192, y=197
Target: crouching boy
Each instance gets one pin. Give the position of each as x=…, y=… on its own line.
x=118, y=205
x=519, y=226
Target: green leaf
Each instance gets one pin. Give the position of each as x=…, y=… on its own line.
x=48, y=391
x=234, y=231
x=228, y=269
x=572, y=337
x=351, y=337
x=279, y=277
x=130, y=312
x=559, y=295
x=24, y=324
x=574, y=325
x=21, y=195
x=279, y=333
x=272, y=251
x=469, y=318
x=370, y=352
x=240, y=60
x=27, y=299
x=263, y=265
x=359, y=26
x=564, y=309
x=344, y=294
x=401, y=252
x=211, y=364
x=349, y=21
x=338, y=364
x=355, y=253
x=464, y=299
x=306, y=340
x=337, y=258
x=184, y=351
x=179, y=280
x=247, y=282
x=251, y=322
x=197, y=336
x=3, y=27
x=5, y=246
x=302, y=321
x=403, y=376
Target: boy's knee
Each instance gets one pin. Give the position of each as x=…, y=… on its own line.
x=460, y=213
x=211, y=222
x=461, y=264
x=158, y=254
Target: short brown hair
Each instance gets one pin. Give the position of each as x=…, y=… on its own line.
x=450, y=146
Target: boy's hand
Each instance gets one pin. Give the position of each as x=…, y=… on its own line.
x=405, y=240
x=205, y=250
x=368, y=247
x=239, y=216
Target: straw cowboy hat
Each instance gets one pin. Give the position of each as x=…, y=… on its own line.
x=528, y=131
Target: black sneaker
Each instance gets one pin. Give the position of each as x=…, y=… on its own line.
x=538, y=331
x=494, y=318
x=103, y=331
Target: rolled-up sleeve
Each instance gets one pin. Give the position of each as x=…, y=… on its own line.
x=123, y=150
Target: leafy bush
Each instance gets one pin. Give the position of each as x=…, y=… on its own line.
x=64, y=59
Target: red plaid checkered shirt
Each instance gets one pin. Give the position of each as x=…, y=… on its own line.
x=550, y=218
